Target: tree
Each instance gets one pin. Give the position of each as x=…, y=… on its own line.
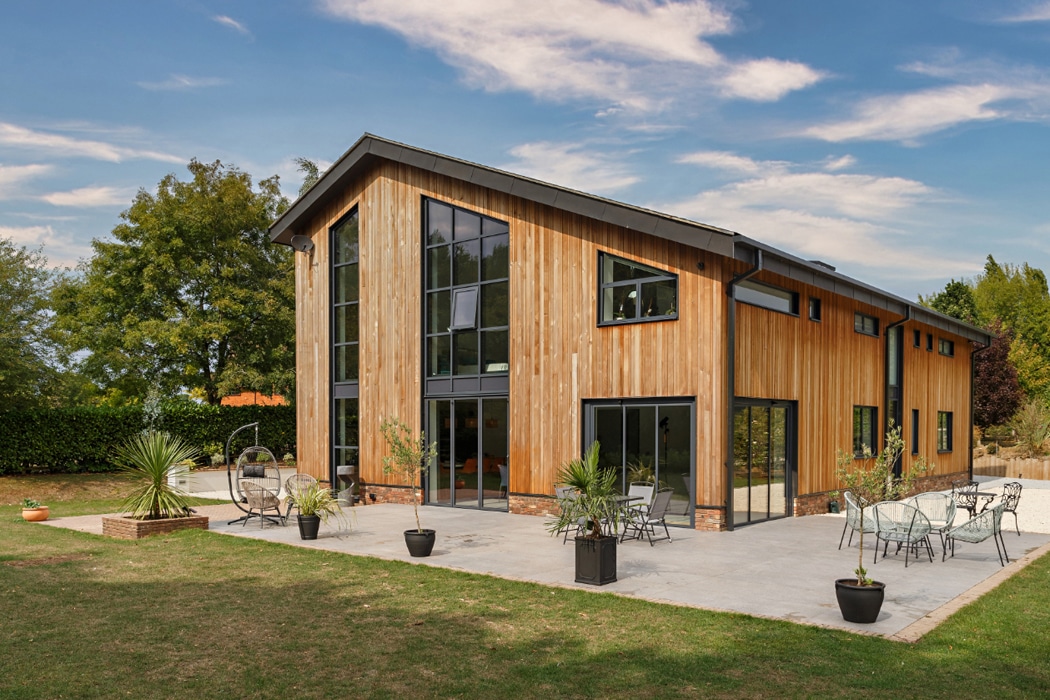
x=311, y=174
x=27, y=379
x=190, y=294
x=955, y=300
x=996, y=392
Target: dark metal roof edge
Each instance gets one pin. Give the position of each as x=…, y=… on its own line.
x=837, y=283
x=611, y=211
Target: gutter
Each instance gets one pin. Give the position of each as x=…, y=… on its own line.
x=731, y=377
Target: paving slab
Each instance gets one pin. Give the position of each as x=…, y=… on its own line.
x=783, y=569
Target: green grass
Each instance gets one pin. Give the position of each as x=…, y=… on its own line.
x=198, y=614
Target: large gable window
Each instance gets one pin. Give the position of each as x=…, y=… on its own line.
x=631, y=292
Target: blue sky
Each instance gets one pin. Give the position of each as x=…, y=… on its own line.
x=900, y=141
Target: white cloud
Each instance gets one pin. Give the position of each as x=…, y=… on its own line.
x=638, y=54
x=13, y=176
x=569, y=165
x=845, y=219
x=841, y=163
x=59, y=249
x=767, y=79
x=90, y=197
x=232, y=24
x=1034, y=12
x=906, y=117
x=182, y=82
x=61, y=145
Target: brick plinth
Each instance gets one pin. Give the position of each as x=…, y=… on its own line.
x=524, y=504
x=134, y=529
x=388, y=494
x=710, y=519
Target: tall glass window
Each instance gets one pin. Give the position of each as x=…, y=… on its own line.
x=345, y=356
x=467, y=301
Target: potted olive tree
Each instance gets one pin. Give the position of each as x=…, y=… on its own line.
x=409, y=455
x=595, y=511
x=870, y=478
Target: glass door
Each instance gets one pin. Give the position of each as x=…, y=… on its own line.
x=762, y=445
x=471, y=469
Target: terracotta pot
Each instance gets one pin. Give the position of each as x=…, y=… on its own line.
x=35, y=515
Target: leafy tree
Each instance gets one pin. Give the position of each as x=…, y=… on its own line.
x=190, y=294
x=996, y=392
x=311, y=174
x=27, y=379
x=955, y=300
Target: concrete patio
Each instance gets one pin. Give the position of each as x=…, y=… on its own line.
x=783, y=569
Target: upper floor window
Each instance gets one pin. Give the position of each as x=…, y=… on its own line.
x=868, y=325
x=814, y=308
x=769, y=297
x=345, y=300
x=944, y=431
x=946, y=347
x=467, y=312
x=864, y=425
x=917, y=338
x=632, y=292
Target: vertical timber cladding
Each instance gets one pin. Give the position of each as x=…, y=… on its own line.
x=932, y=383
x=828, y=368
x=558, y=355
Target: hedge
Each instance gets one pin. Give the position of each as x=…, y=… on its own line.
x=82, y=439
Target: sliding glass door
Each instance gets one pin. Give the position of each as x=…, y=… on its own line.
x=471, y=469
x=763, y=444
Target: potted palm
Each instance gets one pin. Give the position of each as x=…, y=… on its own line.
x=596, y=508
x=409, y=455
x=316, y=504
x=33, y=511
x=871, y=480
x=157, y=504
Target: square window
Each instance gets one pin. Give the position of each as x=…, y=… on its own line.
x=464, y=309
x=631, y=292
x=868, y=325
x=946, y=347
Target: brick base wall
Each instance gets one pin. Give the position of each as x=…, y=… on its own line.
x=533, y=505
x=710, y=519
x=816, y=503
x=387, y=494
x=133, y=529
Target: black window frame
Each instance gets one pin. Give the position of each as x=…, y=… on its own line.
x=656, y=275
x=865, y=432
x=344, y=396
x=917, y=338
x=915, y=431
x=766, y=296
x=946, y=347
x=945, y=431
x=862, y=321
x=814, y=309
x=929, y=342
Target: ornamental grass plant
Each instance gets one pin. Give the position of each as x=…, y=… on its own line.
x=150, y=458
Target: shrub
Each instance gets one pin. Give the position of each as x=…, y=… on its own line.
x=150, y=458
x=1031, y=424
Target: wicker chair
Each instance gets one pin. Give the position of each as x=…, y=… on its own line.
x=260, y=500
x=979, y=528
x=292, y=486
x=853, y=518
x=939, y=509
x=1010, y=499
x=903, y=524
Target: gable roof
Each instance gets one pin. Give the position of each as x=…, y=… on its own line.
x=370, y=149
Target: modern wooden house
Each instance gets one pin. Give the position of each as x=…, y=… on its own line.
x=517, y=321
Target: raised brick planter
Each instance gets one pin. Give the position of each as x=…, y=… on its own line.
x=125, y=528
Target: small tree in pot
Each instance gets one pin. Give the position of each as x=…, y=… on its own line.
x=871, y=481
x=409, y=455
x=596, y=508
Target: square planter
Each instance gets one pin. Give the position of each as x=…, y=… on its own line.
x=126, y=528
x=595, y=560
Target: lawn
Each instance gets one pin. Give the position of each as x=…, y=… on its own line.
x=198, y=614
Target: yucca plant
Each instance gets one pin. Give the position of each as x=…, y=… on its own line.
x=318, y=500
x=596, y=494
x=149, y=458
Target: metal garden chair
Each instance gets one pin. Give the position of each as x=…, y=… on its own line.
x=979, y=528
x=898, y=522
x=641, y=489
x=939, y=509
x=564, y=496
x=1010, y=499
x=645, y=522
x=964, y=493
x=853, y=518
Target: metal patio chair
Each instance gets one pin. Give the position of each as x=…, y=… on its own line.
x=939, y=509
x=964, y=493
x=643, y=490
x=904, y=525
x=1010, y=499
x=564, y=496
x=853, y=518
x=645, y=522
x=979, y=528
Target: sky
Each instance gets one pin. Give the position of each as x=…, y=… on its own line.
x=900, y=141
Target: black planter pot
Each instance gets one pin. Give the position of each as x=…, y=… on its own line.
x=859, y=603
x=595, y=560
x=308, y=526
x=420, y=544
